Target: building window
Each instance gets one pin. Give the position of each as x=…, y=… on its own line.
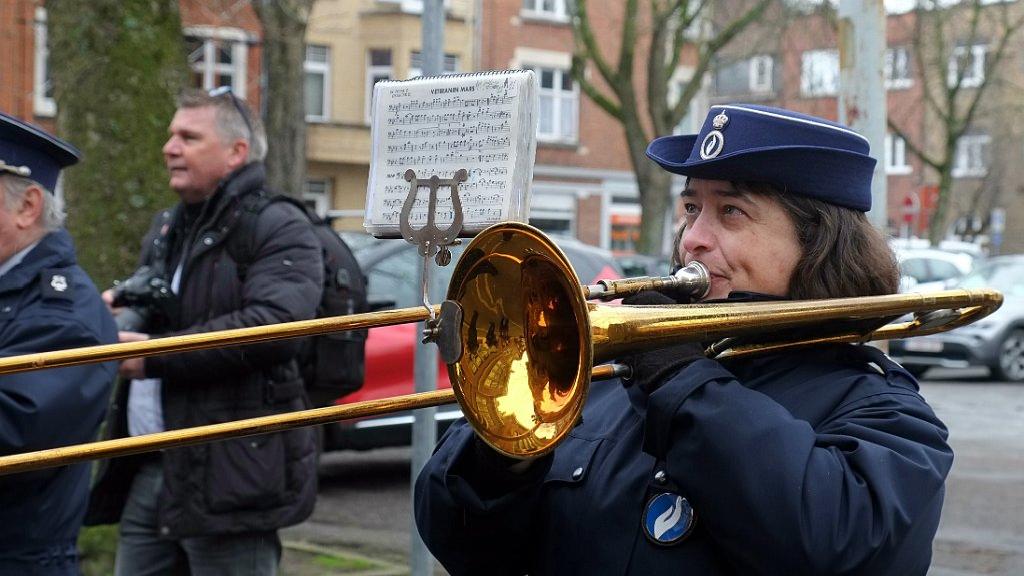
x=318, y=83
x=556, y=226
x=317, y=195
x=378, y=67
x=558, y=98
x=896, y=155
x=969, y=63
x=412, y=6
x=42, y=91
x=547, y=9
x=625, y=232
x=217, y=57
x=897, y=68
x=819, y=73
x=971, y=160
x=449, y=66
x=761, y=69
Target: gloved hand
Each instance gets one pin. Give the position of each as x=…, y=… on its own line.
x=652, y=368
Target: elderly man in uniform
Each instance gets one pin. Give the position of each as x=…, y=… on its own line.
x=46, y=303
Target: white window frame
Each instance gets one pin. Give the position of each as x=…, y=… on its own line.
x=974, y=72
x=897, y=68
x=322, y=68
x=412, y=6
x=450, y=63
x=210, y=68
x=819, y=73
x=558, y=99
x=549, y=202
x=42, y=104
x=552, y=10
x=762, y=71
x=318, y=191
x=896, y=156
x=688, y=124
x=379, y=72
x=971, y=157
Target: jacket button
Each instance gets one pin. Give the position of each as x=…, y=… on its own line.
x=164, y=530
x=577, y=473
x=208, y=241
x=660, y=477
x=7, y=308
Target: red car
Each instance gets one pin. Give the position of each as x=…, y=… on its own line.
x=391, y=267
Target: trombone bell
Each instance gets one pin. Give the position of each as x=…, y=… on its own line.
x=524, y=371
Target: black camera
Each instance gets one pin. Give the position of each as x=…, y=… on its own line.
x=147, y=299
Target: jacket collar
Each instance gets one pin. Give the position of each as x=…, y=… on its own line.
x=242, y=181
x=239, y=183
x=54, y=250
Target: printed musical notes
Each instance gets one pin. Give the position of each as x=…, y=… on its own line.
x=483, y=123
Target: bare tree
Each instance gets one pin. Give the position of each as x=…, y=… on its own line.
x=671, y=26
x=953, y=89
x=284, y=41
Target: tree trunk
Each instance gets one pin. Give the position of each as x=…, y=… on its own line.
x=284, y=52
x=116, y=66
x=654, y=205
x=937, y=225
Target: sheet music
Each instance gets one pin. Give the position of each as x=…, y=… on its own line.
x=435, y=126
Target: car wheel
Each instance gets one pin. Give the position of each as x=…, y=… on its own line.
x=1010, y=366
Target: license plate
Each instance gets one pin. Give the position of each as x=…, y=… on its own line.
x=920, y=345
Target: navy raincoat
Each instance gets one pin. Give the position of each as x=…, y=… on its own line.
x=823, y=461
x=48, y=303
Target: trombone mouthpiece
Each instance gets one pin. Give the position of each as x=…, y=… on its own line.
x=691, y=282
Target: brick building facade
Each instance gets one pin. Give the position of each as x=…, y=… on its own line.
x=794, y=63
x=583, y=179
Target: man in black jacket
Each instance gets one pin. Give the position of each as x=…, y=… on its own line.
x=216, y=507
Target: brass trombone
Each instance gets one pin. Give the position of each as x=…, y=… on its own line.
x=521, y=339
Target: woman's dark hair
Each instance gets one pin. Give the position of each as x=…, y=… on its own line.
x=843, y=255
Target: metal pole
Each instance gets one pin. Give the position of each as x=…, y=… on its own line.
x=862, y=89
x=424, y=428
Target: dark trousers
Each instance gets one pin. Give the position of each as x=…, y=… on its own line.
x=56, y=560
x=142, y=551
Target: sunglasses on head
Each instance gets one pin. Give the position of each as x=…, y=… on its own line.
x=226, y=90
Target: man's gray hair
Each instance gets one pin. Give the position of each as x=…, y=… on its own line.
x=231, y=125
x=14, y=193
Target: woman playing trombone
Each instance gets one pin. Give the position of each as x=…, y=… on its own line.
x=824, y=460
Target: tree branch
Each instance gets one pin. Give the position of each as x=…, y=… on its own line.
x=586, y=44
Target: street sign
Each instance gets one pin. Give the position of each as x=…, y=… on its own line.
x=911, y=207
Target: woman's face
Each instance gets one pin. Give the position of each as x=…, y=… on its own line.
x=748, y=241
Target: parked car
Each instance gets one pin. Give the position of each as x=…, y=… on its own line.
x=929, y=269
x=392, y=268
x=996, y=341
x=644, y=265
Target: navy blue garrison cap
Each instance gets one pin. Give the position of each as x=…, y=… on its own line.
x=28, y=151
x=801, y=154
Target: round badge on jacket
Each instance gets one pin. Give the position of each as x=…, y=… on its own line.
x=668, y=519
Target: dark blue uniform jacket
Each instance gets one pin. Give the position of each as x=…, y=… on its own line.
x=48, y=303
x=823, y=461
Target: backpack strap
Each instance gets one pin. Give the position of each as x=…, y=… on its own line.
x=242, y=224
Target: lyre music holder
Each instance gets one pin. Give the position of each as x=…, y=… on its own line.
x=430, y=239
